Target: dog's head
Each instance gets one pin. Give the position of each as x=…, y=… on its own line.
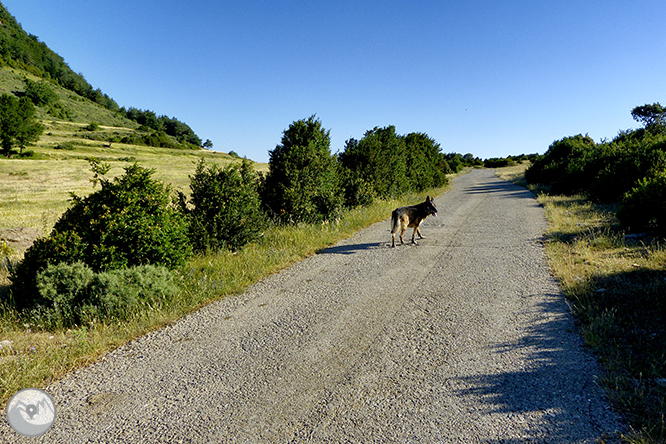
x=430, y=206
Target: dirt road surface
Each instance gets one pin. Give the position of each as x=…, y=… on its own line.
x=464, y=338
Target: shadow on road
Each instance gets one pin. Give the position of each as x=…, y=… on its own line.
x=351, y=249
x=508, y=188
x=550, y=388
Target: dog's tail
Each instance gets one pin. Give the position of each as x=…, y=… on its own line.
x=394, y=222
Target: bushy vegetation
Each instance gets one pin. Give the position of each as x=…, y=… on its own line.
x=84, y=270
x=223, y=211
x=128, y=222
x=163, y=125
x=73, y=294
x=302, y=183
x=627, y=169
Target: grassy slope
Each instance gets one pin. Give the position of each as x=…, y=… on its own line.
x=34, y=192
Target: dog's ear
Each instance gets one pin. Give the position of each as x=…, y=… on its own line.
x=428, y=199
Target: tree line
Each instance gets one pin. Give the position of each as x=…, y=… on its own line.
x=134, y=223
x=629, y=169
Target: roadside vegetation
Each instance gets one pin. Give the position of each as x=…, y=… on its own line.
x=605, y=206
x=130, y=253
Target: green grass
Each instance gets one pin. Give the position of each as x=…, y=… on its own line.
x=617, y=289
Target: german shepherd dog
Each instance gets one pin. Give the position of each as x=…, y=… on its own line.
x=411, y=217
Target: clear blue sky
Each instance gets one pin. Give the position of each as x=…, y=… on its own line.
x=489, y=77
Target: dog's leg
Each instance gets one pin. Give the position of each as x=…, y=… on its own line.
x=393, y=240
x=414, y=234
x=402, y=231
x=418, y=230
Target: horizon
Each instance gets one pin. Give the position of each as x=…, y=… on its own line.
x=483, y=78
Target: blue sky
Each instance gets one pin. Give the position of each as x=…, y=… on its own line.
x=487, y=77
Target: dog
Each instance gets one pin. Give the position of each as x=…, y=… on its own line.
x=411, y=217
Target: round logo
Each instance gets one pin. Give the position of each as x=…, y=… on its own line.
x=31, y=412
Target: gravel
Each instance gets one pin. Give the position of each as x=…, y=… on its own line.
x=463, y=338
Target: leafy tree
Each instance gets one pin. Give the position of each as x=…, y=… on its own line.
x=651, y=116
x=224, y=210
x=18, y=124
x=379, y=158
x=302, y=182
x=426, y=168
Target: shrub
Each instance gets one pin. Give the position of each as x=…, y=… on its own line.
x=224, y=210
x=380, y=159
x=644, y=207
x=72, y=294
x=128, y=222
x=562, y=166
x=302, y=183
x=39, y=93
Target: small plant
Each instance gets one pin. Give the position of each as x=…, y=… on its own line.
x=72, y=294
x=92, y=126
x=69, y=146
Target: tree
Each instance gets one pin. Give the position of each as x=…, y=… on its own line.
x=379, y=158
x=18, y=124
x=224, y=210
x=302, y=182
x=651, y=116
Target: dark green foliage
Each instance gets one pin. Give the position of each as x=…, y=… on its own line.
x=630, y=167
x=128, y=222
x=224, y=210
x=562, y=165
x=653, y=117
x=498, y=162
x=40, y=93
x=426, y=168
x=385, y=164
x=18, y=124
x=163, y=125
x=644, y=207
x=379, y=159
x=302, y=183
x=73, y=294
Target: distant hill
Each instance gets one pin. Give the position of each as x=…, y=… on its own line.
x=22, y=55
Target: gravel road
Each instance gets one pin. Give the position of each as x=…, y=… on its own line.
x=464, y=338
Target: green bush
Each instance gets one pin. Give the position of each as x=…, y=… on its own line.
x=72, y=294
x=379, y=159
x=224, y=210
x=302, y=183
x=128, y=222
x=562, y=166
x=40, y=93
x=644, y=207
